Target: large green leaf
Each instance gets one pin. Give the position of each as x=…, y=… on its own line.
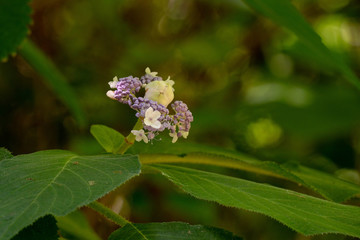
x=14, y=21
x=54, y=78
x=303, y=213
x=56, y=182
x=108, y=138
x=325, y=184
x=285, y=14
x=170, y=231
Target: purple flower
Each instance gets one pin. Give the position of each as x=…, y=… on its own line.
x=127, y=87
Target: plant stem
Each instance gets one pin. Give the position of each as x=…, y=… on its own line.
x=130, y=139
x=108, y=213
x=100, y=208
x=54, y=79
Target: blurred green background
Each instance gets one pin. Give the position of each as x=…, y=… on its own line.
x=250, y=87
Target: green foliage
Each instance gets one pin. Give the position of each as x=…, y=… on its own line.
x=327, y=185
x=108, y=138
x=14, y=21
x=329, y=110
x=75, y=225
x=170, y=231
x=235, y=71
x=305, y=214
x=56, y=182
x=285, y=14
x=44, y=228
x=54, y=78
x=4, y=153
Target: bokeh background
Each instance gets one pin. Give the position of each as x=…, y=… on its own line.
x=241, y=75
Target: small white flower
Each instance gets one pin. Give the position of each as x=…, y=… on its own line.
x=170, y=82
x=140, y=135
x=111, y=94
x=113, y=83
x=174, y=136
x=184, y=134
x=148, y=71
x=151, y=118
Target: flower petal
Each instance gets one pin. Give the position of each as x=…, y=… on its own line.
x=147, y=122
x=156, y=124
x=174, y=136
x=156, y=114
x=148, y=71
x=145, y=139
x=111, y=94
x=149, y=112
x=185, y=134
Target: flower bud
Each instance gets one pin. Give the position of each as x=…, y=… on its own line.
x=160, y=91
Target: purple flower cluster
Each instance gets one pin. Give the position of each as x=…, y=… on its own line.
x=178, y=124
x=127, y=87
x=182, y=118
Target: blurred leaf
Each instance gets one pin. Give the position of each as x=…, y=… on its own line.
x=301, y=52
x=108, y=138
x=350, y=175
x=329, y=110
x=76, y=225
x=327, y=185
x=204, y=50
x=170, y=231
x=285, y=14
x=14, y=21
x=43, y=228
x=4, y=154
x=192, y=209
x=56, y=182
x=305, y=214
x=85, y=145
x=51, y=75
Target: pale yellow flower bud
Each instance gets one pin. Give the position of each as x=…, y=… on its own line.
x=160, y=91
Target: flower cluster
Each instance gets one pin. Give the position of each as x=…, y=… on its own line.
x=152, y=108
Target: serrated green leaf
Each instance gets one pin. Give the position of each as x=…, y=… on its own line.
x=76, y=226
x=285, y=14
x=43, y=228
x=14, y=21
x=4, y=153
x=170, y=231
x=303, y=213
x=327, y=185
x=108, y=138
x=56, y=182
x=54, y=78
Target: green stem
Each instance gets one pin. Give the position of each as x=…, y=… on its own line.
x=54, y=79
x=130, y=139
x=108, y=213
